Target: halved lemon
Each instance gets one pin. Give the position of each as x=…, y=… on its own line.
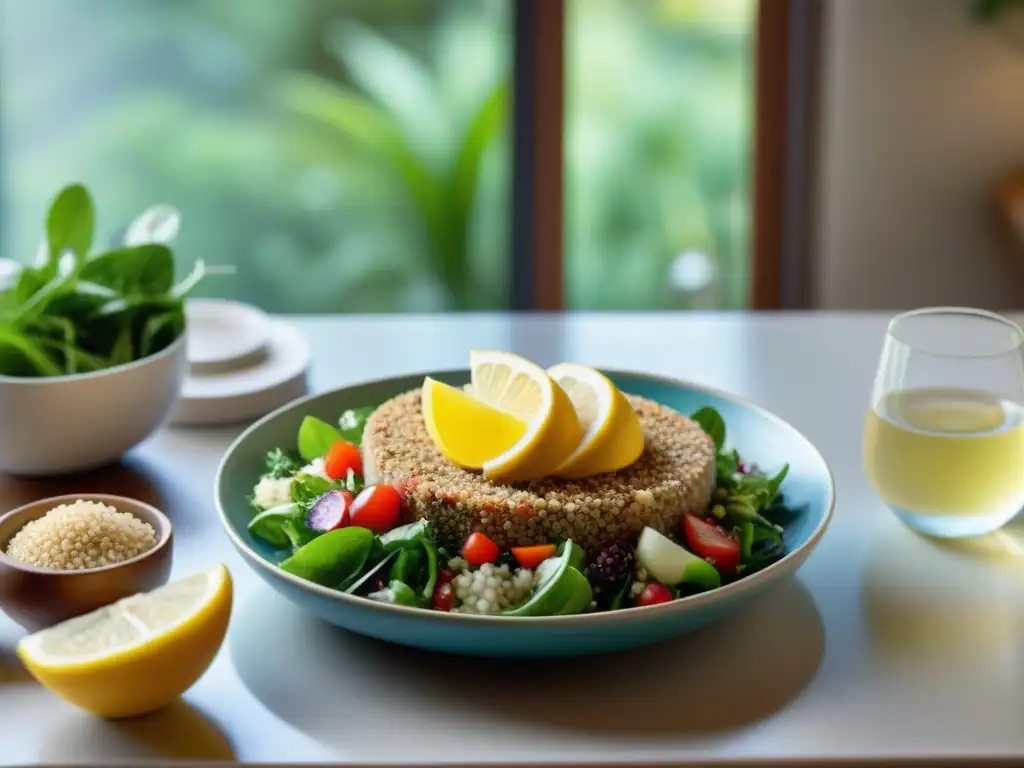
x=467, y=431
x=138, y=654
x=523, y=389
x=612, y=436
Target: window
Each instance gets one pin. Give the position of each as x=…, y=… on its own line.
x=368, y=155
x=658, y=133
x=345, y=155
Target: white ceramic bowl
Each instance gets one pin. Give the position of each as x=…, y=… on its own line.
x=63, y=424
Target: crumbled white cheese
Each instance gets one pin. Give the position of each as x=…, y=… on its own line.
x=316, y=467
x=490, y=590
x=272, y=492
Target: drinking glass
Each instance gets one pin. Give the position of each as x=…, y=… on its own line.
x=944, y=439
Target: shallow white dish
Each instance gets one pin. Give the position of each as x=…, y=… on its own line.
x=270, y=380
x=224, y=334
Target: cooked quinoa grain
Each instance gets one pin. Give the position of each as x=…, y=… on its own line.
x=82, y=535
x=675, y=474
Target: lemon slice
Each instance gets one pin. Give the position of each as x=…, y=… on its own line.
x=467, y=431
x=138, y=654
x=523, y=389
x=612, y=436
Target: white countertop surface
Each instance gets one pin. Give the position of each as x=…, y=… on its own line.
x=884, y=646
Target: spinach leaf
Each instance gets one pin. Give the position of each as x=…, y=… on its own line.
x=29, y=281
x=25, y=357
x=415, y=537
x=404, y=535
x=408, y=564
x=160, y=329
x=283, y=527
x=123, y=351
x=315, y=438
x=432, y=568
x=141, y=269
x=69, y=225
x=299, y=534
x=333, y=557
x=270, y=525
x=712, y=423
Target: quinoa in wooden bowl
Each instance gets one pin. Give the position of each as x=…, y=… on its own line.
x=66, y=556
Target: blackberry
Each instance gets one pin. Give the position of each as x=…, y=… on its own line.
x=609, y=569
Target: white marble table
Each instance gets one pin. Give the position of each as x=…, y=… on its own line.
x=883, y=647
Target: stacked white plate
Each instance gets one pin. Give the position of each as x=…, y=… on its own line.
x=242, y=364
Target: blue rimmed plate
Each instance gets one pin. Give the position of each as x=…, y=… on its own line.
x=759, y=436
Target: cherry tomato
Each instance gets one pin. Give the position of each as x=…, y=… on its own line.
x=340, y=458
x=654, y=594
x=376, y=508
x=446, y=577
x=444, y=597
x=531, y=557
x=479, y=549
x=712, y=542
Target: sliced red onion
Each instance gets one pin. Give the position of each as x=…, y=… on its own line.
x=330, y=511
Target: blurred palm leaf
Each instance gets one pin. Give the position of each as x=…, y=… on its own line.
x=399, y=83
x=437, y=161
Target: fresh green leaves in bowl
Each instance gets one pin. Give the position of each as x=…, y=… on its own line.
x=78, y=312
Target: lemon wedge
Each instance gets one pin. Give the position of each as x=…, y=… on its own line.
x=523, y=389
x=467, y=431
x=612, y=435
x=138, y=654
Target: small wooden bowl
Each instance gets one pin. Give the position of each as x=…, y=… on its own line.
x=37, y=598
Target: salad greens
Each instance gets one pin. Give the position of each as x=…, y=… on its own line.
x=279, y=464
x=77, y=311
x=561, y=587
x=284, y=526
x=333, y=558
x=416, y=565
x=321, y=528
x=745, y=500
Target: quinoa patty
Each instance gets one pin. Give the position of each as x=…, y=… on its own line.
x=675, y=474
